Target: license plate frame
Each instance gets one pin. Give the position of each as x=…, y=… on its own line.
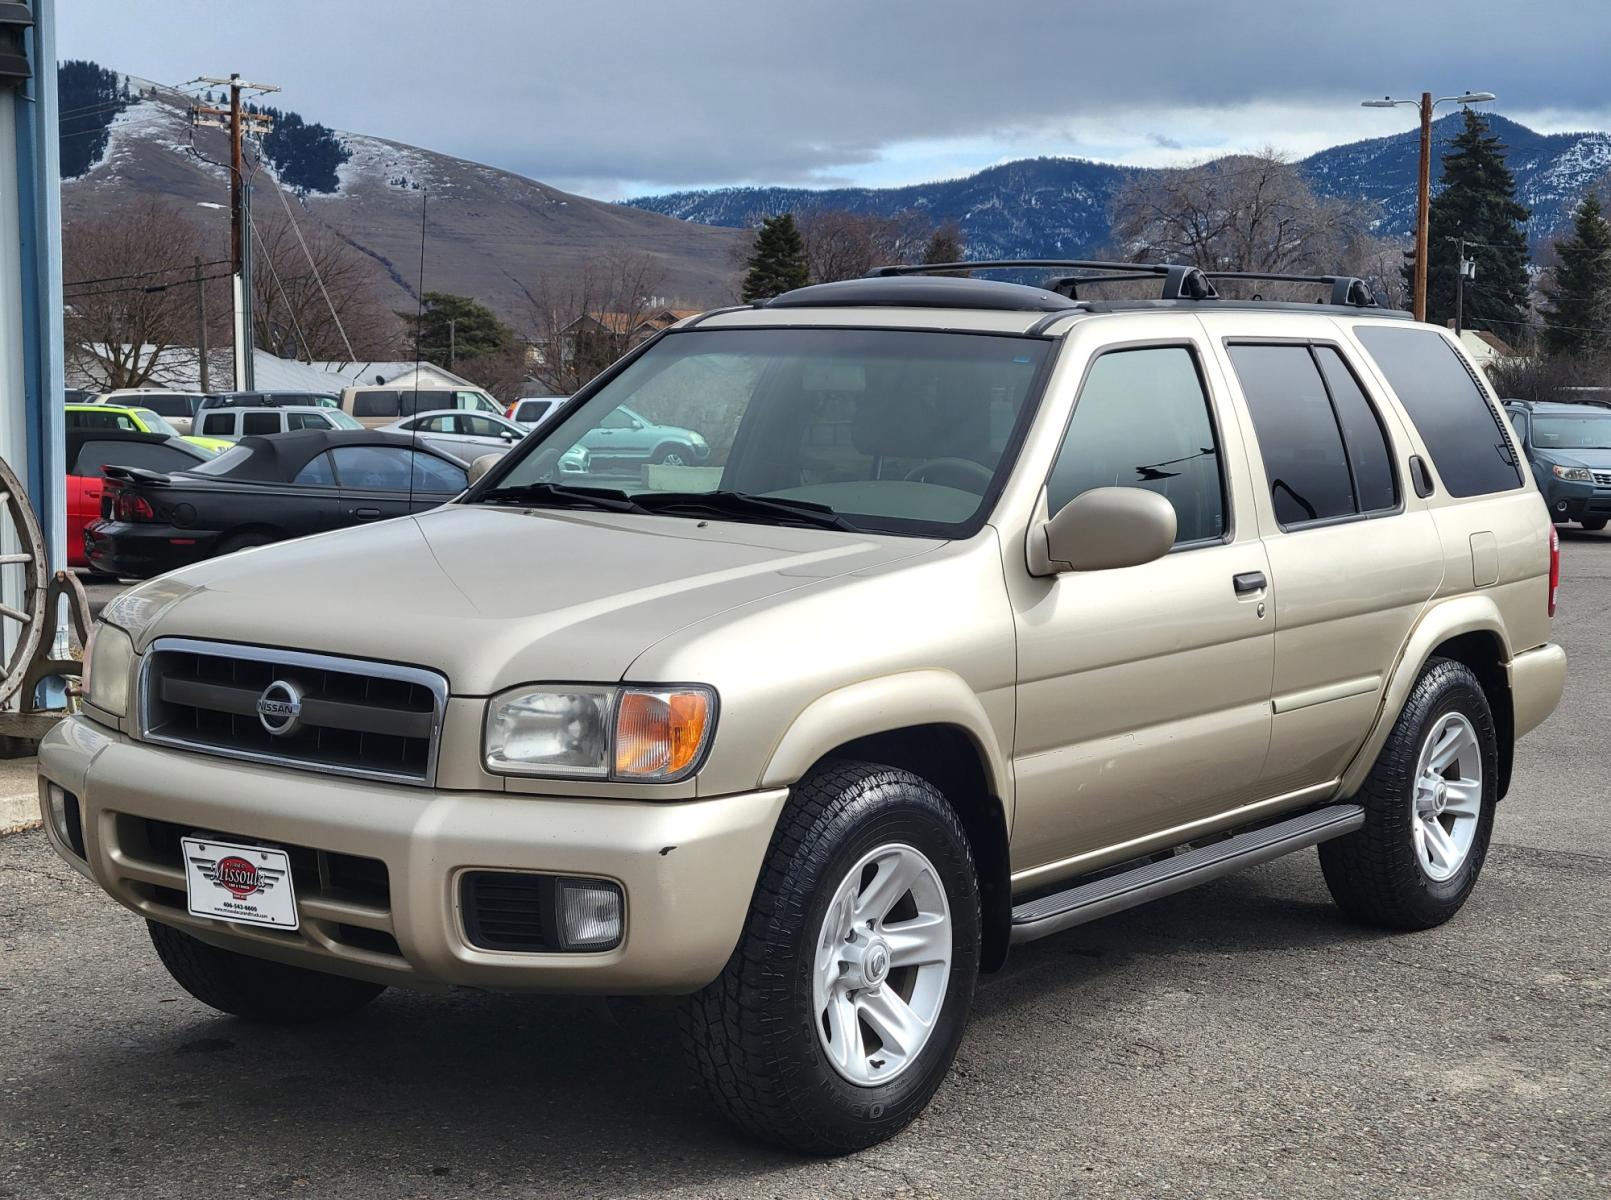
x=238, y=882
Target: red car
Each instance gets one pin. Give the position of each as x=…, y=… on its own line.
x=89, y=450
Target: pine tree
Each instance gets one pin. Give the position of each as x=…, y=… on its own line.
x=1478, y=202
x=455, y=327
x=1580, y=294
x=777, y=264
x=944, y=245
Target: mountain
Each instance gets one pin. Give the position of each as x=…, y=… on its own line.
x=1049, y=207
x=490, y=234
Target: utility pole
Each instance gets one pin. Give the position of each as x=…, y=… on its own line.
x=201, y=325
x=1423, y=206
x=1467, y=270
x=238, y=122
x=453, y=343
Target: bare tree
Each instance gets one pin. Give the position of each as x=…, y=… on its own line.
x=585, y=322
x=130, y=295
x=1244, y=213
x=292, y=317
x=845, y=245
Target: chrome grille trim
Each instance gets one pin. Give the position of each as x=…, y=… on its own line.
x=1603, y=478
x=431, y=681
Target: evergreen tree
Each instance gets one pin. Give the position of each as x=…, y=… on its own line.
x=777, y=264
x=1580, y=294
x=90, y=97
x=944, y=245
x=1478, y=202
x=455, y=327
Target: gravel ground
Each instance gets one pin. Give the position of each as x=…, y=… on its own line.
x=1240, y=1040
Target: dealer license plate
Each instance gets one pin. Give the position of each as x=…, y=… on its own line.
x=249, y=884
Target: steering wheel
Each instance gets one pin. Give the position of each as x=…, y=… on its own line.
x=973, y=477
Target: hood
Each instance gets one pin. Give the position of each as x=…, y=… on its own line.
x=1598, y=459
x=494, y=597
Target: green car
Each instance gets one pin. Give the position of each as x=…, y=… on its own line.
x=132, y=420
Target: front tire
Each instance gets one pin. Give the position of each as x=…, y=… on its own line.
x=840, y=1011
x=255, y=988
x=1429, y=808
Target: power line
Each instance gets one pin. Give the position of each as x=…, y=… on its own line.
x=149, y=289
x=317, y=278
x=217, y=262
x=290, y=309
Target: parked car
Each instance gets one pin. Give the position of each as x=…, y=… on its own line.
x=89, y=452
x=623, y=440
x=380, y=404
x=1008, y=610
x=232, y=424
x=261, y=490
x=534, y=410
x=270, y=400
x=78, y=396
x=463, y=433
x=177, y=408
x=1568, y=447
x=131, y=420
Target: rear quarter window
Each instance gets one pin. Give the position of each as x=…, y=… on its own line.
x=1470, y=446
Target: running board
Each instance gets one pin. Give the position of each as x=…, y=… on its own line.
x=1115, y=893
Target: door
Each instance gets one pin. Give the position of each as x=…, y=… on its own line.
x=373, y=481
x=614, y=442
x=1144, y=692
x=1353, y=559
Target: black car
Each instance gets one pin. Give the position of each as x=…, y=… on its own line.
x=265, y=489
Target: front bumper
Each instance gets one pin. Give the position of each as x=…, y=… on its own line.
x=687, y=869
x=1577, y=501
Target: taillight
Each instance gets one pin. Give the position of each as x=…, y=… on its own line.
x=1554, y=566
x=130, y=506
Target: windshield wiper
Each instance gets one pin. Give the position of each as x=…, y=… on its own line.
x=559, y=495
x=742, y=504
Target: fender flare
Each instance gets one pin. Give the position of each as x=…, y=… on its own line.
x=858, y=710
x=1438, y=623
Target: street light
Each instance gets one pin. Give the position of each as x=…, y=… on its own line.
x=1423, y=210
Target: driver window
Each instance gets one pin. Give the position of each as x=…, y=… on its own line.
x=1142, y=420
x=616, y=419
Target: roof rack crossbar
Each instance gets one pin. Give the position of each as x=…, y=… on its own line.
x=1346, y=290
x=1010, y=263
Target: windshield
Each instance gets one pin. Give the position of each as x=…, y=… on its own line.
x=342, y=420
x=1588, y=432
x=154, y=423
x=897, y=431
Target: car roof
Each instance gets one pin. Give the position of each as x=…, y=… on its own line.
x=453, y=412
x=1559, y=406
x=122, y=408
x=77, y=437
x=279, y=456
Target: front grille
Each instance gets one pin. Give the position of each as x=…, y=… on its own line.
x=362, y=718
x=1603, y=478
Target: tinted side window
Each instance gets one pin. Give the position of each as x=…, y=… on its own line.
x=1297, y=430
x=170, y=406
x=375, y=404
x=260, y=422
x=1142, y=420
x=375, y=468
x=218, y=424
x=1467, y=441
x=317, y=472
x=437, y=475
x=1369, y=455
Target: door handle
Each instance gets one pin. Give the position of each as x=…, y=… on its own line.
x=1248, y=582
x=365, y=514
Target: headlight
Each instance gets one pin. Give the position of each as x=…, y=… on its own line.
x=108, y=662
x=588, y=732
x=1574, y=474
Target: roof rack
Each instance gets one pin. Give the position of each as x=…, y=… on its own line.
x=1180, y=281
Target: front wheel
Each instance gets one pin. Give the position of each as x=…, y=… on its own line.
x=1429, y=808
x=840, y=1011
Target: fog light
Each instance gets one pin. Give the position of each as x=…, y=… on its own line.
x=589, y=914
x=61, y=810
x=1560, y=506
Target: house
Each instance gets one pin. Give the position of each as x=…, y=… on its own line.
x=633, y=328
x=1485, y=347
x=179, y=368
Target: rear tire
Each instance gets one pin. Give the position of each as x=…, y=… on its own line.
x=241, y=541
x=803, y=1064
x=255, y=988
x=1429, y=808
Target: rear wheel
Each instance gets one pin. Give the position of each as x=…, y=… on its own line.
x=1429, y=808
x=840, y=1011
x=255, y=988
x=241, y=541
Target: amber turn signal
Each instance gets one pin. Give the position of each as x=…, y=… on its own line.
x=659, y=734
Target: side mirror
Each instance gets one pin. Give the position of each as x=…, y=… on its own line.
x=507, y=435
x=1102, y=529
x=481, y=466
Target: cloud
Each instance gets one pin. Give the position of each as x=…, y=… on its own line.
x=642, y=93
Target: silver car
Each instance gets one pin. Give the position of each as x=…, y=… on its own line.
x=467, y=434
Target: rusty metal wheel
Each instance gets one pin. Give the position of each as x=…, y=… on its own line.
x=24, y=580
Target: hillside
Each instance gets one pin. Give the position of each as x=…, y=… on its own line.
x=491, y=234
x=1042, y=207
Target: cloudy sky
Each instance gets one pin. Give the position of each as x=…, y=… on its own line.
x=616, y=99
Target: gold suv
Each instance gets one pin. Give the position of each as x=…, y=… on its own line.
x=992, y=609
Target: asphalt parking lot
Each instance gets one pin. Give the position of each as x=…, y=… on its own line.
x=1241, y=1040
